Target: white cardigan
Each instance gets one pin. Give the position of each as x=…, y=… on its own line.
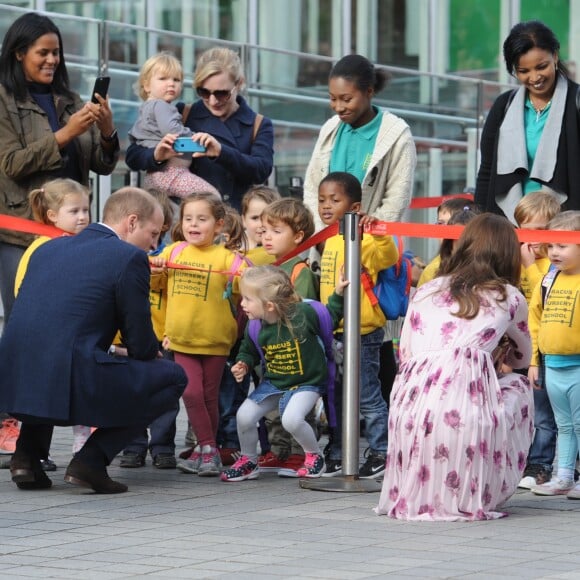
x=388, y=184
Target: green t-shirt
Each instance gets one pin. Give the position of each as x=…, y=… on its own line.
x=353, y=148
x=306, y=283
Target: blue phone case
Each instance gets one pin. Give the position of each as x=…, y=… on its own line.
x=187, y=145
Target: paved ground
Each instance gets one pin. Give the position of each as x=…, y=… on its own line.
x=172, y=525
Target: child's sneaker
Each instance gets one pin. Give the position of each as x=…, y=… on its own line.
x=244, y=468
x=190, y=464
x=533, y=476
x=291, y=465
x=9, y=433
x=574, y=493
x=555, y=486
x=333, y=468
x=373, y=467
x=270, y=462
x=313, y=466
x=211, y=464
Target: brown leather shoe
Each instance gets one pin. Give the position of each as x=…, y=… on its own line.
x=28, y=474
x=81, y=474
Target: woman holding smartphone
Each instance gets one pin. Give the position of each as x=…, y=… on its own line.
x=239, y=143
x=46, y=132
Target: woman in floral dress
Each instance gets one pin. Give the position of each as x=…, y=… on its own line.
x=459, y=431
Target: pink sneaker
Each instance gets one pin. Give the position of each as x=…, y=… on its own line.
x=9, y=433
x=244, y=468
x=313, y=466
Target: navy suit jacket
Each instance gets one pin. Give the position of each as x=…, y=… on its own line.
x=77, y=293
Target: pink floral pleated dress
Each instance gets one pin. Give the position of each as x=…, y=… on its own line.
x=458, y=434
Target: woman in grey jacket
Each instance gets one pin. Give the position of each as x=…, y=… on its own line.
x=375, y=146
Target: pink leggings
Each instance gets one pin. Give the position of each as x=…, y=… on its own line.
x=204, y=374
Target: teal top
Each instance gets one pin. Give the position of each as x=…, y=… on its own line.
x=353, y=147
x=560, y=361
x=534, y=124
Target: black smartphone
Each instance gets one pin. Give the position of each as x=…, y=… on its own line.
x=101, y=88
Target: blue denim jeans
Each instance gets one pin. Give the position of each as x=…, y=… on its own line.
x=373, y=407
x=543, y=448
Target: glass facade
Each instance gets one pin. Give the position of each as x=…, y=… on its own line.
x=443, y=56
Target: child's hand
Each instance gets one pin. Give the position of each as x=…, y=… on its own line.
x=166, y=343
x=528, y=255
x=239, y=371
x=534, y=376
x=366, y=220
x=158, y=264
x=342, y=283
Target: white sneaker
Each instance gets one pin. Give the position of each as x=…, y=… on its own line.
x=527, y=482
x=555, y=486
x=574, y=493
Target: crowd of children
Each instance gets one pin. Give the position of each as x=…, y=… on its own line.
x=248, y=325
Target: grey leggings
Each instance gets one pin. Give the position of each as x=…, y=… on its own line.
x=293, y=421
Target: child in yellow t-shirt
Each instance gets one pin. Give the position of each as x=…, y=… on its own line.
x=339, y=193
x=555, y=330
x=63, y=203
x=533, y=212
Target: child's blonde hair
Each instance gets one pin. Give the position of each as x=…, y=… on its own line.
x=165, y=61
x=566, y=220
x=272, y=284
x=51, y=196
x=291, y=212
x=262, y=192
x=541, y=204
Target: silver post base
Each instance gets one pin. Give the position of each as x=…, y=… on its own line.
x=346, y=484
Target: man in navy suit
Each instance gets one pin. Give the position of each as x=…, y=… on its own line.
x=57, y=368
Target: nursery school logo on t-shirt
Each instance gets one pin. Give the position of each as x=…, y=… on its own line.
x=561, y=306
x=284, y=358
x=156, y=299
x=192, y=283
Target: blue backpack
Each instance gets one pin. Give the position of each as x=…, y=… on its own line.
x=393, y=287
x=326, y=337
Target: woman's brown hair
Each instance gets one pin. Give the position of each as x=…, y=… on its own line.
x=486, y=258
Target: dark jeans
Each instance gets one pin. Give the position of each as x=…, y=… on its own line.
x=543, y=448
x=161, y=436
x=372, y=405
x=231, y=396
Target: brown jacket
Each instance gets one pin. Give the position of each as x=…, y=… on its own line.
x=29, y=154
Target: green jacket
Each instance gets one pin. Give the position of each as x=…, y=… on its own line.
x=29, y=154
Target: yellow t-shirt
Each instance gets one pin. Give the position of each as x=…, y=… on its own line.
x=556, y=328
x=430, y=270
x=532, y=275
x=199, y=318
x=377, y=253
